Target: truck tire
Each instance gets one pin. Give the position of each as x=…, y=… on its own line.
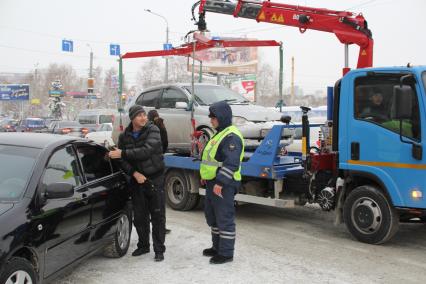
x=121, y=241
x=18, y=270
x=369, y=216
x=178, y=191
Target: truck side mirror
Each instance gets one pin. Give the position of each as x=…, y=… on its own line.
x=403, y=102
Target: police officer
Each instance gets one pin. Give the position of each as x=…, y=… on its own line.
x=141, y=156
x=220, y=171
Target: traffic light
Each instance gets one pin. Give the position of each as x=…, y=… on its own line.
x=90, y=85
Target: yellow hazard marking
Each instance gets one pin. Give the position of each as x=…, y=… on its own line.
x=262, y=16
x=274, y=17
x=364, y=52
x=280, y=19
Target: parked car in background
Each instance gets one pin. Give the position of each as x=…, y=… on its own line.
x=61, y=200
x=93, y=118
x=31, y=124
x=64, y=127
x=172, y=103
x=8, y=125
x=102, y=134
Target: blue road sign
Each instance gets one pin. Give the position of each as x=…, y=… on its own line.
x=114, y=49
x=67, y=45
x=14, y=92
x=167, y=46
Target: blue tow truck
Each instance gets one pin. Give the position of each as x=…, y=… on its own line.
x=369, y=166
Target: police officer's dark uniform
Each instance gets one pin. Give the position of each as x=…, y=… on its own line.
x=220, y=165
x=142, y=152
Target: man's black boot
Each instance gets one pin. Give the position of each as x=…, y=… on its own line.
x=159, y=256
x=140, y=251
x=219, y=259
x=210, y=252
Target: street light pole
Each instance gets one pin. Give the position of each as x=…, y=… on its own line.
x=166, y=75
x=90, y=88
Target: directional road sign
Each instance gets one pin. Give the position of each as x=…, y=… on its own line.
x=114, y=49
x=67, y=45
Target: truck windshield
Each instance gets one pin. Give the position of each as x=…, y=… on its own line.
x=207, y=95
x=16, y=164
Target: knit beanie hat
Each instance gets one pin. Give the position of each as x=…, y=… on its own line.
x=135, y=110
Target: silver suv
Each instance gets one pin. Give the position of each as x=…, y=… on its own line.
x=172, y=103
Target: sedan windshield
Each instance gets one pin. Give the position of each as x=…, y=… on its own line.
x=207, y=95
x=16, y=164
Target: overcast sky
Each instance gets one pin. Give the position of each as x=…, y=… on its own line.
x=31, y=33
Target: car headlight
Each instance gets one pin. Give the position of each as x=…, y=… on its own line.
x=239, y=121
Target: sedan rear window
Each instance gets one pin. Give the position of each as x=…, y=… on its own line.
x=16, y=164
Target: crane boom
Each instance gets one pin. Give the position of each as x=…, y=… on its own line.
x=348, y=27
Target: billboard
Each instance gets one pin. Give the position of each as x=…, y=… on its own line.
x=14, y=92
x=230, y=60
x=245, y=85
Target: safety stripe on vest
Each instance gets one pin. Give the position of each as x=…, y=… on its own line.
x=227, y=170
x=212, y=163
x=226, y=174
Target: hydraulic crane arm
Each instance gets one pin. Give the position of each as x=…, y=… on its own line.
x=348, y=28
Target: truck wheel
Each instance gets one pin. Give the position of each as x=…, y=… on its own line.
x=18, y=270
x=121, y=241
x=369, y=216
x=178, y=191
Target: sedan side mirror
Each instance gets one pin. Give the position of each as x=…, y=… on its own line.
x=59, y=190
x=181, y=105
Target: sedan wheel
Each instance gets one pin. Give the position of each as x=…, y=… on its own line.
x=19, y=277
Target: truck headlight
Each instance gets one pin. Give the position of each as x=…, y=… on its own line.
x=239, y=121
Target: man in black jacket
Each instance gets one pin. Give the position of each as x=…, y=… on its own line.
x=141, y=156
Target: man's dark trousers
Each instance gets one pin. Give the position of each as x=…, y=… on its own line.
x=220, y=216
x=147, y=205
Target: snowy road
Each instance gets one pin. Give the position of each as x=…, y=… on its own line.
x=273, y=246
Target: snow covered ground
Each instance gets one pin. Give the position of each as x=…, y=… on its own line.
x=273, y=246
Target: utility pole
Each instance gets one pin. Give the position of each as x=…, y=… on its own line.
x=292, y=80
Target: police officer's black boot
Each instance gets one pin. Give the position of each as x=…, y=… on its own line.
x=159, y=256
x=210, y=252
x=219, y=259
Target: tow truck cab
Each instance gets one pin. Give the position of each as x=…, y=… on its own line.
x=379, y=128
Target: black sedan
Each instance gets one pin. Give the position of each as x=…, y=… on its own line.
x=61, y=200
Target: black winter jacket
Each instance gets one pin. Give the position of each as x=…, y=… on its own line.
x=145, y=154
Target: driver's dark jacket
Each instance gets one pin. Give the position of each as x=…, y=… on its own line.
x=144, y=154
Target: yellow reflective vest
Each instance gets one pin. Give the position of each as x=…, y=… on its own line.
x=209, y=165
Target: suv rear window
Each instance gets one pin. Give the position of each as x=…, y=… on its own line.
x=149, y=99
